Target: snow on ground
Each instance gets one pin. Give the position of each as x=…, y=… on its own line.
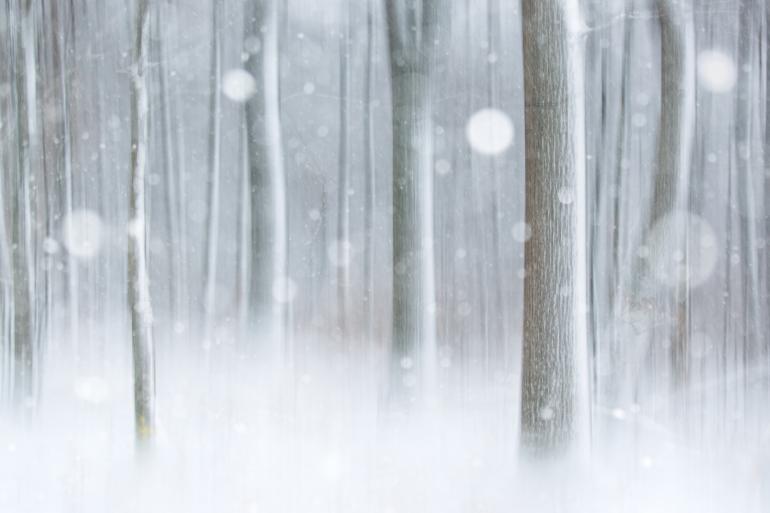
x=313, y=439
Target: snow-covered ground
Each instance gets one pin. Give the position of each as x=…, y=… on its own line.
x=234, y=437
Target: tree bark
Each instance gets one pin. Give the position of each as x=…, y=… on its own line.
x=672, y=176
x=554, y=287
x=269, y=238
x=343, y=182
x=411, y=29
x=24, y=339
x=215, y=121
x=138, y=281
x=371, y=171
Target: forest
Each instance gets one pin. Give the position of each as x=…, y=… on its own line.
x=384, y=255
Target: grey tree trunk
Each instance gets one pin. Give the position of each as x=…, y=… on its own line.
x=171, y=168
x=138, y=285
x=552, y=388
x=674, y=155
x=215, y=121
x=370, y=183
x=63, y=67
x=411, y=29
x=22, y=225
x=343, y=182
x=269, y=238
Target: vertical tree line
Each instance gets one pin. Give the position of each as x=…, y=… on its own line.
x=612, y=182
x=267, y=178
x=554, y=336
x=411, y=33
x=139, y=304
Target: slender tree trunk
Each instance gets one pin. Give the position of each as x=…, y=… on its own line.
x=22, y=222
x=343, y=182
x=269, y=238
x=138, y=285
x=554, y=288
x=171, y=171
x=244, y=257
x=674, y=154
x=371, y=171
x=63, y=68
x=215, y=121
x=411, y=29
x=750, y=171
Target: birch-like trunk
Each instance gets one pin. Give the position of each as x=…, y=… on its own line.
x=552, y=388
x=269, y=238
x=411, y=29
x=138, y=286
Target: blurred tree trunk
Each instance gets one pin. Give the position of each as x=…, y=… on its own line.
x=370, y=182
x=24, y=338
x=215, y=121
x=674, y=156
x=411, y=32
x=172, y=190
x=554, y=288
x=269, y=237
x=343, y=181
x=138, y=280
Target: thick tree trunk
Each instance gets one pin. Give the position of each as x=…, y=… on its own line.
x=138, y=285
x=411, y=28
x=269, y=238
x=554, y=289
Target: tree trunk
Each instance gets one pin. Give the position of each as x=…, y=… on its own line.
x=674, y=154
x=171, y=171
x=371, y=171
x=411, y=29
x=343, y=182
x=269, y=238
x=138, y=286
x=215, y=121
x=24, y=340
x=552, y=388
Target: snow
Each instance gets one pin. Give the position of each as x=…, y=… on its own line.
x=252, y=44
x=236, y=436
x=716, y=71
x=81, y=234
x=340, y=253
x=521, y=231
x=284, y=289
x=92, y=389
x=566, y=195
x=238, y=85
x=443, y=167
x=489, y=131
x=51, y=246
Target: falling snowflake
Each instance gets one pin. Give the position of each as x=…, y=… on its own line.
x=238, y=85
x=716, y=71
x=489, y=131
x=82, y=234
